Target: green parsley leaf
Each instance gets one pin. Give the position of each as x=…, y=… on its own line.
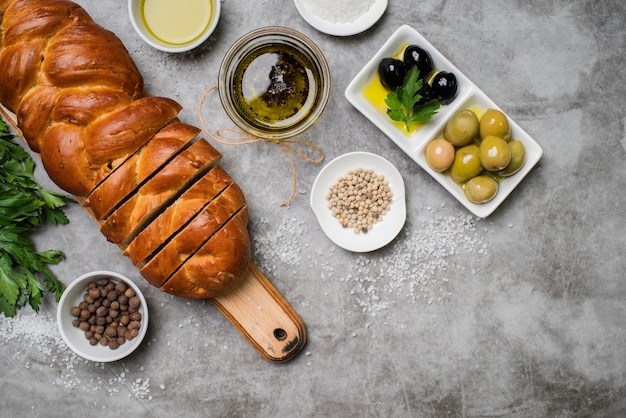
x=402, y=103
x=24, y=207
x=9, y=287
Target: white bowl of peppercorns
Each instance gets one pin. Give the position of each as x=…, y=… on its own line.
x=102, y=316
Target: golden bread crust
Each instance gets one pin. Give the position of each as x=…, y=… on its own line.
x=79, y=102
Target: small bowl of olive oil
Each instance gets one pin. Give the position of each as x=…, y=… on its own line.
x=274, y=83
x=174, y=25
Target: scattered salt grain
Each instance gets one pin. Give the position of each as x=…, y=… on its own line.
x=427, y=254
x=39, y=336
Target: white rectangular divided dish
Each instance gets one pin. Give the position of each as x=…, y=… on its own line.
x=413, y=144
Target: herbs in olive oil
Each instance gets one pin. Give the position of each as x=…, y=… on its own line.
x=275, y=87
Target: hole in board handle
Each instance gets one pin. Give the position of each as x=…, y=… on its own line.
x=280, y=334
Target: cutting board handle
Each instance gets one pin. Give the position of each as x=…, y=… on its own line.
x=263, y=317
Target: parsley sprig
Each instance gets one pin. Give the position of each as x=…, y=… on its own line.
x=24, y=207
x=402, y=103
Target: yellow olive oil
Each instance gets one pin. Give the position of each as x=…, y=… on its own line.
x=275, y=86
x=176, y=22
x=375, y=93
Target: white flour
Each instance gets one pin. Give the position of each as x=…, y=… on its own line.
x=338, y=11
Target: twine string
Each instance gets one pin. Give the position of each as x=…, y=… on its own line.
x=236, y=137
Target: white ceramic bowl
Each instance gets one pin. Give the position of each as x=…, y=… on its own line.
x=75, y=338
x=414, y=143
x=360, y=24
x=134, y=10
x=383, y=231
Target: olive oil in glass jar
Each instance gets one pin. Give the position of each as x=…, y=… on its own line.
x=274, y=83
x=275, y=87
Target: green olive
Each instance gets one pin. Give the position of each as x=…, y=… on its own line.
x=495, y=153
x=494, y=123
x=480, y=189
x=462, y=128
x=466, y=163
x=518, y=156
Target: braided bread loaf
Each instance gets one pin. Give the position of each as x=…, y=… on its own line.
x=153, y=186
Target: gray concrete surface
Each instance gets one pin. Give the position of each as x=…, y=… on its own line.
x=519, y=315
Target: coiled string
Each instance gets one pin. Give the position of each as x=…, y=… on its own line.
x=235, y=137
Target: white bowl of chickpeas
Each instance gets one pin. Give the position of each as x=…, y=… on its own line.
x=102, y=316
x=359, y=185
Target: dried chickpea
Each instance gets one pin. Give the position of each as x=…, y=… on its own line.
x=359, y=199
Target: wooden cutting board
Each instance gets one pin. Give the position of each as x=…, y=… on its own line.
x=255, y=308
x=263, y=317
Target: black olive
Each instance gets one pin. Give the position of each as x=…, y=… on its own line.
x=391, y=72
x=444, y=87
x=427, y=94
x=417, y=56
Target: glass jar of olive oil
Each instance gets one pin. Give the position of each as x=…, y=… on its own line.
x=274, y=83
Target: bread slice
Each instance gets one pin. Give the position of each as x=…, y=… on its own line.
x=217, y=266
x=179, y=213
x=192, y=236
x=122, y=131
x=160, y=190
x=139, y=167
